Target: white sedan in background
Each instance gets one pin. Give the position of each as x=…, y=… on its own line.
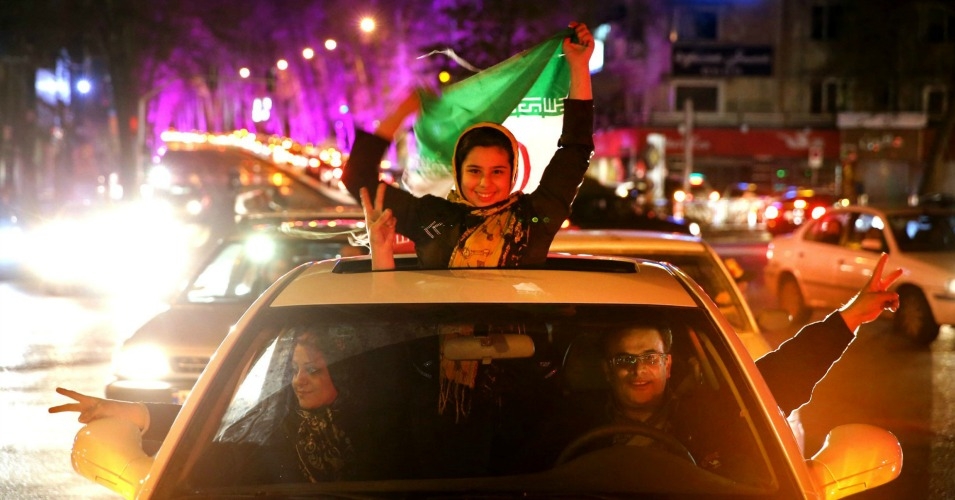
x=824, y=263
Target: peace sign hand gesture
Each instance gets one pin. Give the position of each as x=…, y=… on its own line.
x=92, y=408
x=380, y=223
x=874, y=297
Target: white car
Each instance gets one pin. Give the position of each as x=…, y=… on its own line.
x=827, y=260
x=691, y=254
x=162, y=359
x=462, y=383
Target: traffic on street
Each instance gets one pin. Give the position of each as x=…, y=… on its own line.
x=606, y=249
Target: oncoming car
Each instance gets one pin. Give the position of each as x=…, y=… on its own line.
x=163, y=358
x=472, y=383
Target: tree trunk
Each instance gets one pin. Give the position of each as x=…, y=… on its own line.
x=933, y=178
x=126, y=111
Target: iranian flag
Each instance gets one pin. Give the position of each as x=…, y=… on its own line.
x=525, y=93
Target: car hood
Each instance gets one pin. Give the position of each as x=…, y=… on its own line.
x=190, y=325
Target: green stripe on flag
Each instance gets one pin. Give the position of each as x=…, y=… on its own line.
x=533, y=82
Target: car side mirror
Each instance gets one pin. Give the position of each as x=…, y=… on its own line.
x=109, y=451
x=854, y=458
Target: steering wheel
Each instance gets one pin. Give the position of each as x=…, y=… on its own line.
x=670, y=443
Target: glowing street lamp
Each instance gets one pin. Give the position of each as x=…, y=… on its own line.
x=281, y=64
x=331, y=44
x=83, y=86
x=308, y=53
x=367, y=24
x=244, y=72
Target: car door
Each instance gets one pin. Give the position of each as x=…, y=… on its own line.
x=864, y=242
x=818, y=258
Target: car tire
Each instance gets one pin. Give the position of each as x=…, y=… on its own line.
x=791, y=300
x=914, y=318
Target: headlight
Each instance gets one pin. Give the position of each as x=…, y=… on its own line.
x=141, y=362
x=194, y=207
x=12, y=243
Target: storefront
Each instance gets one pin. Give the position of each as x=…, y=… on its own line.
x=772, y=157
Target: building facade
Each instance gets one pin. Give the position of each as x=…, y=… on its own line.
x=819, y=93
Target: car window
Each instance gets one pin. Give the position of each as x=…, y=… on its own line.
x=716, y=284
x=924, y=232
x=829, y=229
x=866, y=233
x=711, y=278
x=213, y=281
x=406, y=412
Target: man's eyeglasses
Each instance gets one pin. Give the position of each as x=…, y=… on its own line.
x=631, y=361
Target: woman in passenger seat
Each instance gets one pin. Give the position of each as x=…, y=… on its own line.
x=294, y=441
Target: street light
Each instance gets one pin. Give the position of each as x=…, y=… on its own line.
x=83, y=86
x=367, y=24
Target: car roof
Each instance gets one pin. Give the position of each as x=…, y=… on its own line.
x=299, y=223
x=563, y=280
x=618, y=241
x=897, y=209
x=305, y=216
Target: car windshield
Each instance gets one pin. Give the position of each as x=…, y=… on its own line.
x=711, y=278
x=715, y=283
x=243, y=269
x=924, y=232
x=476, y=398
x=227, y=173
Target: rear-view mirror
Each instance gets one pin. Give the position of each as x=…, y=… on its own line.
x=487, y=347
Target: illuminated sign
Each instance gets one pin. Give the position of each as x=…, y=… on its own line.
x=722, y=61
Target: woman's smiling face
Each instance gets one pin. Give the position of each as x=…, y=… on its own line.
x=311, y=381
x=486, y=176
